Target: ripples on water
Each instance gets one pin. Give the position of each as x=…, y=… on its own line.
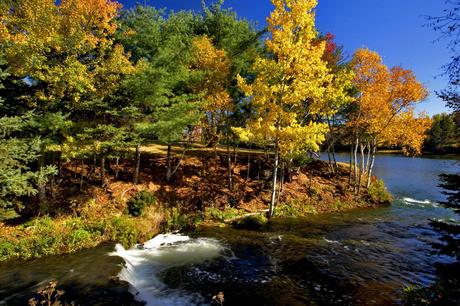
x=361, y=257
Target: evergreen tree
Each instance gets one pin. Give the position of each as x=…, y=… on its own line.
x=160, y=91
x=442, y=132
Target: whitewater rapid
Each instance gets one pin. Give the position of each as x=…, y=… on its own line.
x=144, y=264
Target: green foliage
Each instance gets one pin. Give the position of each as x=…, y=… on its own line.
x=295, y=208
x=378, y=193
x=123, y=230
x=18, y=177
x=139, y=202
x=46, y=236
x=414, y=296
x=220, y=215
x=442, y=133
x=301, y=160
x=252, y=222
x=160, y=88
x=175, y=220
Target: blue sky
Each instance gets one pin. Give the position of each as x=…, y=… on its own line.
x=393, y=28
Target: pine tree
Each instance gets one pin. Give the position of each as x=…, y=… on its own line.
x=161, y=89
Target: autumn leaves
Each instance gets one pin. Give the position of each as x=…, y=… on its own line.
x=299, y=86
x=95, y=81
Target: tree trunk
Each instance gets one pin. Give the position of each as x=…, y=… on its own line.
x=229, y=166
x=355, y=159
x=53, y=177
x=371, y=165
x=249, y=163
x=93, y=167
x=59, y=164
x=138, y=164
x=274, y=182
x=361, y=146
x=117, y=167
x=103, y=171
x=168, y=165
x=170, y=172
x=331, y=145
x=42, y=187
x=282, y=173
x=368, y=158
x=331, y=167
x=351, y=162
x=81, y=173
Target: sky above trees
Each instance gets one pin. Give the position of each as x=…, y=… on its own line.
x=394, y=28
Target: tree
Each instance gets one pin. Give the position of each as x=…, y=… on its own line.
x=289, y=84
x=18, y=176
x=339, y=96
x=213, y=71
x=384, y=97
x=442, y=132
x=65, y=53
x=448, y=25
x=240, y=42
x=161, y=91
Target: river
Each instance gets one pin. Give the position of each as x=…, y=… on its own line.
x=360, y=257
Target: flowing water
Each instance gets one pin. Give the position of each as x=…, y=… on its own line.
x=360, y=257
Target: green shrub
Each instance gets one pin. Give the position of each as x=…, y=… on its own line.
x=216, y=214
x=123, y=230
x=253, y=222
x=295, y=208
x=78, y=236
x=413, y=296
x=378, y=193
x=175, y=220
x=139, y=202
x=7, y=249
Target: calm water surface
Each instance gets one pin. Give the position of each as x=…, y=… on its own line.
x=361, y=257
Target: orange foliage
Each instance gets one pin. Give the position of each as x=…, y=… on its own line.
x=385, y=101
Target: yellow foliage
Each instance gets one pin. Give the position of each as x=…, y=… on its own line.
x=409, y=132
x=385, y=99
x=214, y=67
x=292, y=83
x=66, y=45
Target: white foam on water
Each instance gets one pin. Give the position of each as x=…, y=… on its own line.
x=145, y=263
x=411, y=201
x=331, y=241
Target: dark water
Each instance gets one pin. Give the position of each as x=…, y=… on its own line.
x=361, y=257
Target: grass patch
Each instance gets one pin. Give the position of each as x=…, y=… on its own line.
x=295, y=208
x=215, y=214
x=175, y=220
x=45, y=236
x=378, y=193
x=252, y=222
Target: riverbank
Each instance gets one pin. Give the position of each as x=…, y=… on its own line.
x=425, y=154
x=199, y=194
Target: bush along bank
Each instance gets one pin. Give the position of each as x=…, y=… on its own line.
x=133, y=214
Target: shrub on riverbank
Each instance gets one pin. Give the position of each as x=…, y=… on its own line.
x=252, y=222
x=139, y=202
x=45, y=236
x=378, y=193
x=295, y=208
